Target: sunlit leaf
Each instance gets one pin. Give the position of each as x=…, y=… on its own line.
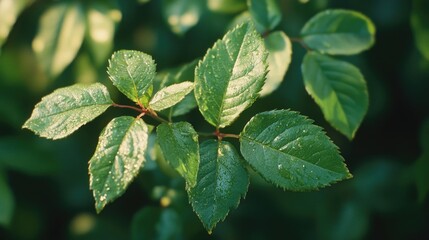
x=100, y=31
x=132, y=72
x=66, y=109
x=288, y=150
x=7, y=203
x=279, y=50
x=156, y=224
x=222, y=182
x=60, y=35
x=9, y=12
x=231, y=75
x=179, y=145
x=266, y=14
x=226, y=6
x=170, y=96
x=339, y=32
x=339, y=89
x=420, y=25
x=181, y=15
x=118, y=158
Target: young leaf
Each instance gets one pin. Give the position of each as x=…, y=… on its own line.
x=9, y=12
x=339, y=32
x=339, y=89
x=232, y=73
x=266, y=14
x=222, y=181
x=178, y=75
x=420, y=26
x=59, y=37
x=289, y=151
x=132, y=72
x=118, y=158
x=7, y=203
x=157, y=224
x=66, y=109
x=181, y=15
x=170, y=96
x=100, y=30
x=279, y=57
x=179, y=145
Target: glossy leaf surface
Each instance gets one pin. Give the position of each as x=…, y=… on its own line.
x=170, y=96
x=339, y=89
x=231, y=75
x=118, y=158
x=66, y=109
x=288, y=150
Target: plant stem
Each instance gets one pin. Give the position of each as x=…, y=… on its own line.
x=127, y=106
x=301, y=42
x=155, y=116
x=142, y=110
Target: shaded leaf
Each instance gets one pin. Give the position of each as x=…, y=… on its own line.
x=288, y=150
x=7, y=203
x=279, y=57
x=179, y=145
x=118, y=158
x=9, y=12
x=226, y=6
x=60, y=35
x=266, y=14
x=100, y=30
x=339, y=89
x=181, y=15
x=420, y=26
x=157, y=224
x=339, y=32
x=66, y=109
x=222, y=181
x=170, y=96
x=132, y=72
x=232, y=73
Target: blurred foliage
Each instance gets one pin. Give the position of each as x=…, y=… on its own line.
x=46, y=44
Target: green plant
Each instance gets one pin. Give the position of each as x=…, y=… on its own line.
x=282, y=146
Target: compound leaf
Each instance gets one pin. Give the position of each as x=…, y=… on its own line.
x=118, y=158
x=279, y=57
x=170, y=96
x=339, y=89
x=60, y=35
x=289, y=151
x=232, y=73
x=339, y=32
x=179, y=145
x=66, y=109
x=132, y=72
x=266, y=14
x=222, y=181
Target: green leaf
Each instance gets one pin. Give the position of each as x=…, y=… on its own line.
x=35, y=160
x=157, y=224
x=266, y=14
x=222, y=181
x=66, y=109
x=60, y=35
x=232, y=73
x=170, y=96
x=288, y=150
x=100, y=31
x=179, y=145
x=339, y=32
x=181, y=15
x=118, y=158
x=9, y=12
x=132, y=72
x=179, y=75
x=279, y=57
x=339, y=89
x=420, y=26
x=7, y=203
x=226, y=6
